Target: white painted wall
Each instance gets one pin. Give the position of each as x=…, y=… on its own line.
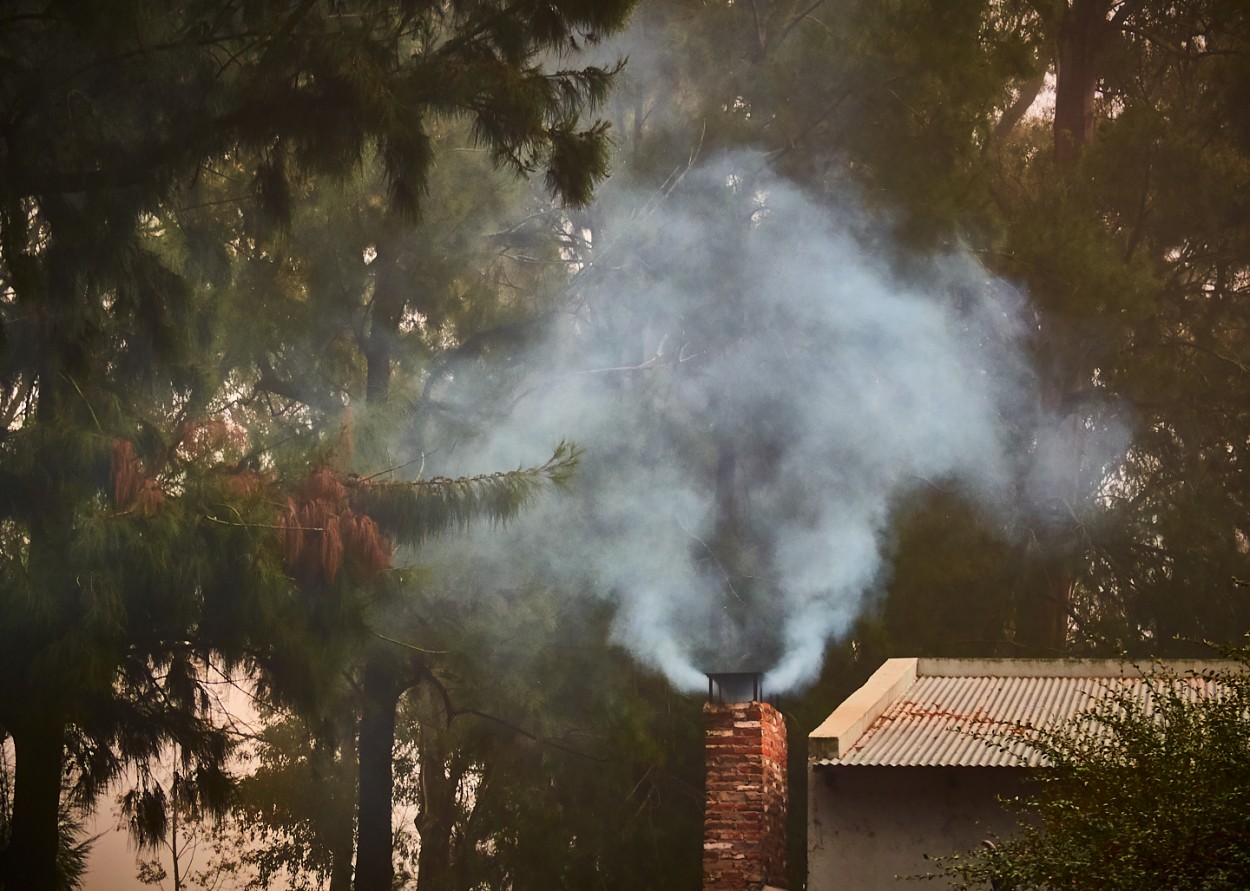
x=870, y=826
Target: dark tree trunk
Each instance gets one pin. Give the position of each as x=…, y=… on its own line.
x=382, y=681
x=1083, y=33
x=381, y=691
x=1042, y=614
x=341, y=828
x=1085, y=30
x=388, y=311
x=341, y=869
x=36, y=702
x=29, y=862
x=436, y=817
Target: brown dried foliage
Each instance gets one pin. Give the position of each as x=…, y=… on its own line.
x=133, y=488
x=320, y=531
x=367, y=543
x=210, y=437
x=245, y=483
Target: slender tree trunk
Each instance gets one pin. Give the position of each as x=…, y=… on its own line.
x=381, y=689
x=29, y=862
x=387, y=312
x=335, y=761
x=1050, y=555
x=435, y=818
x=173, y=835
x=1083, y=34
x=341, y=868
x=1046, y=597
x=381, y=683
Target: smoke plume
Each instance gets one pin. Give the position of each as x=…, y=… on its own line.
x=754, y=384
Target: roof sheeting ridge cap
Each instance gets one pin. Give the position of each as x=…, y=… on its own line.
x=837, y=733
x=1068, y=667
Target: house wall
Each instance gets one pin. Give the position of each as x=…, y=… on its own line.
x=869, y=825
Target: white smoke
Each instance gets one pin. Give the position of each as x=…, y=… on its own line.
x=734, y=353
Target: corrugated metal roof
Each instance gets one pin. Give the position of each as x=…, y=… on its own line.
x=975, y=721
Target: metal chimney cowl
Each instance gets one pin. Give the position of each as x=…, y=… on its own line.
x=744, y=834
x=735, y=686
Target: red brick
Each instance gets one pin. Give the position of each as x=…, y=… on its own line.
x=744, y=834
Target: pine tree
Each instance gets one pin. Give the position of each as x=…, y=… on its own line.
x=137, y=519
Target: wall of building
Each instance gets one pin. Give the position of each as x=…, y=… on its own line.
x=869, y=825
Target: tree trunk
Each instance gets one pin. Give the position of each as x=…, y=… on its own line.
x=1044, y=602
x=387, y=312
x=381, y=692
x=1083, y=33
x=173, y=835
x=1051, y=555
x=341, y=868
x=29, y=862
x=38, y=726
x=382, y=684
x=436, y=817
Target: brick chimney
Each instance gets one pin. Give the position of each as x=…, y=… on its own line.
x=744, y=824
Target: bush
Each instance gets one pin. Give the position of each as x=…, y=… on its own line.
x=1149, y=788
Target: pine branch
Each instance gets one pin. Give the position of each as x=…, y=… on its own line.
x=414, y=510
x=410, y=646
x=222, y=522
x=85, y=400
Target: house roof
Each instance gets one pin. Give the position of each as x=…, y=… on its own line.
x=965, y=712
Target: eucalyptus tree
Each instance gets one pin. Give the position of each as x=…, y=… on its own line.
x=1130, y=245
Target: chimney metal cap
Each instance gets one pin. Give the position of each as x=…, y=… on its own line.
x=735, y=686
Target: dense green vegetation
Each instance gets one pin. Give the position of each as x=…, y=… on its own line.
x=1142, y=791
x=159, y=433
x=269, y=271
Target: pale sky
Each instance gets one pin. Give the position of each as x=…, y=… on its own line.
x=111, y=866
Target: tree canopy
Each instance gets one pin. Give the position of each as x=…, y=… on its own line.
x=152, y=154
x=269, y=271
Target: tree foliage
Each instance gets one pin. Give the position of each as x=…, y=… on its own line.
x=542, y=754
x=1139, y=791
x=1090, y=152
x=222, y=223
x=1123, y=229
x=154, y=158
